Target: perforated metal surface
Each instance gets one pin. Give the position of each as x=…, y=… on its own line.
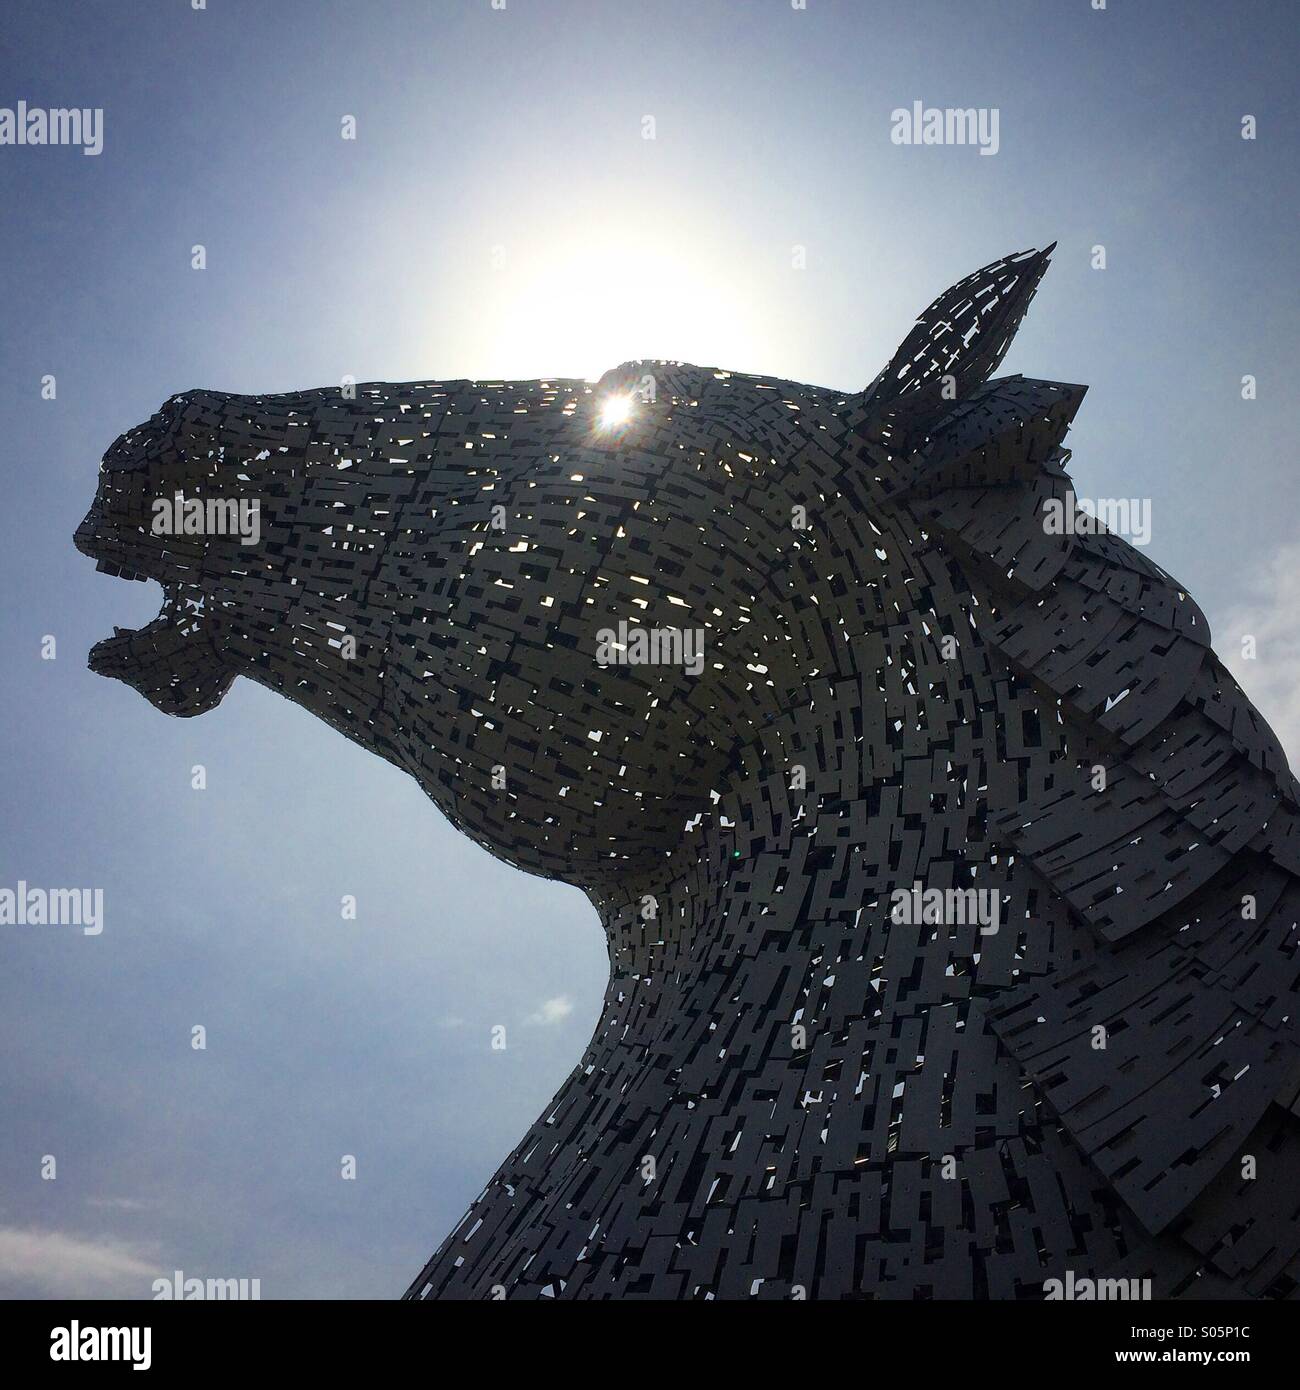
x=791, y=1092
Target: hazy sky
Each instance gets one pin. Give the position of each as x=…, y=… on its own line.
x=500, y=214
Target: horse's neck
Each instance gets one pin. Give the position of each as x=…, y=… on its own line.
x=773, y=1038
x=772, y=930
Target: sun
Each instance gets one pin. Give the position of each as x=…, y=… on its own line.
x=617, y=410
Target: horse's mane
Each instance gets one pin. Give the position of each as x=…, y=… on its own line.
x=1194, y=972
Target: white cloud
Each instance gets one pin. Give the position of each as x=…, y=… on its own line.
x=552, y=1011
x=1272, y=616
x=119, y=1203
x=50, y=1264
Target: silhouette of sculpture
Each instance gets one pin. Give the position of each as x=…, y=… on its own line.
x=808, y=1080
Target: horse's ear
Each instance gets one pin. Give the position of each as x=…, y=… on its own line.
x=957, y=342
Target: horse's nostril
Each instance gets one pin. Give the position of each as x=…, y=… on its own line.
x=119, y=571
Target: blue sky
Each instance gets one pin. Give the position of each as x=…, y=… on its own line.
x=500, y=213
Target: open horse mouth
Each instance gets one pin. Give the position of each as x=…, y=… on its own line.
x=171, y=660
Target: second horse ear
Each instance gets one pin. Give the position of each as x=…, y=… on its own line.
x=957, y=342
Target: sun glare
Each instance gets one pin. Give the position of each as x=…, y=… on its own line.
x=548, y=312
x=617, y=410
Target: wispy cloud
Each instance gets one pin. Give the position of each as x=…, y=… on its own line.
x=120, y=1203
x=552, y=1011
x=1272, y=617
x=50, y=1264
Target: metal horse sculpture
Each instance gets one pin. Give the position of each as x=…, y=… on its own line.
x=913, y=691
